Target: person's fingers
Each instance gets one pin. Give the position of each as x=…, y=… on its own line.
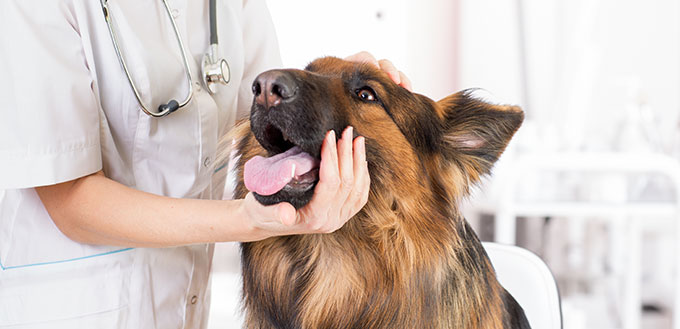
x=329, y=173
x=363, y=57
x=346, y=161
x=405, y=81
x=386, y=65
x=390, y=69
x=343, y=184
x=315, y=213
x=362, y=180
x=338, y=207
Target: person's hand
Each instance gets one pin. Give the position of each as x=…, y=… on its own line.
x=341, y=192
x=397, y=76
x=343, y=183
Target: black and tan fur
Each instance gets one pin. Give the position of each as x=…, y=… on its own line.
x=408, y=259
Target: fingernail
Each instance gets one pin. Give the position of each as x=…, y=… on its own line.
x=348, y=133
x=362, y=147
x=332, y=141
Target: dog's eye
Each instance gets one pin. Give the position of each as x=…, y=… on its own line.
x=366, y=94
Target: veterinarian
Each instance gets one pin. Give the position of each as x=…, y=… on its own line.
x=109, y=126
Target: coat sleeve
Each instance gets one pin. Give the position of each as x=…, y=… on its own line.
x=49, y=118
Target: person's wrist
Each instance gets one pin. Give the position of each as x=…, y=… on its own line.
x=248, y=220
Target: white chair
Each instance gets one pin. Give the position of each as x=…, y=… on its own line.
x=615, y=169
x=527, y=278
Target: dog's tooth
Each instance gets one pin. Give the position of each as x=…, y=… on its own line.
x=292, y=173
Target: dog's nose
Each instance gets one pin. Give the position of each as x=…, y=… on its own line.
x=272, y=87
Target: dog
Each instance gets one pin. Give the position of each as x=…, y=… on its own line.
x=408, y=259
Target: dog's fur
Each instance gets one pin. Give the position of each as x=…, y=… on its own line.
x=408, y=259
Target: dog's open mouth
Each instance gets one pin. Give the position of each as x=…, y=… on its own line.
x=290, y=169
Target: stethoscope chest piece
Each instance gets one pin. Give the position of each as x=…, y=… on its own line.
x=214, y=71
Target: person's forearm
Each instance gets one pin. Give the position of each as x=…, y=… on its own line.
x=97, y=210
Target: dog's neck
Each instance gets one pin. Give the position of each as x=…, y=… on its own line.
x=394, y=260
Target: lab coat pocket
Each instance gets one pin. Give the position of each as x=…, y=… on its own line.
x=88, y=293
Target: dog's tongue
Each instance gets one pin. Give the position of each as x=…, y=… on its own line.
x=266, y=176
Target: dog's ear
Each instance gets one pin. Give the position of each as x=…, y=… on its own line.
x=476, y=132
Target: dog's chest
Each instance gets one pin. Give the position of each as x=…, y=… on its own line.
x=343, y=284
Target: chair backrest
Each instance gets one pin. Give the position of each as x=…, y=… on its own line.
x=529, y=280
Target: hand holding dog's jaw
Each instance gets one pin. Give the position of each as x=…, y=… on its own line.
x=343, y=184
x=341, y=192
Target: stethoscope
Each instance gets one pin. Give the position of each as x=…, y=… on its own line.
x=213, y=69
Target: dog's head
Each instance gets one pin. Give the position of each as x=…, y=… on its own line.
x=411, y=140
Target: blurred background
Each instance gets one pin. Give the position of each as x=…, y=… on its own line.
x=590, y=183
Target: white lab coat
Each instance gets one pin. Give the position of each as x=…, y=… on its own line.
x=67, y=111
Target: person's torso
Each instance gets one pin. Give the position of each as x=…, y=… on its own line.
x=49, y=281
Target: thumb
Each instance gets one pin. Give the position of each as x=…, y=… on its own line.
x=282, y=213
x=285, y=213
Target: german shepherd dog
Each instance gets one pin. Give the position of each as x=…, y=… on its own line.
x=408, y=259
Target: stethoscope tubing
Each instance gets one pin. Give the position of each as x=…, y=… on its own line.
x=166, y=108
x=213, y=22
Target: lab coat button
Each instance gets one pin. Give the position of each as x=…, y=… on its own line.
x=194, y=299
x=175, y=13
x=197, y=86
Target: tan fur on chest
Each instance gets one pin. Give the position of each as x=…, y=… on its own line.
x=347, y=273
